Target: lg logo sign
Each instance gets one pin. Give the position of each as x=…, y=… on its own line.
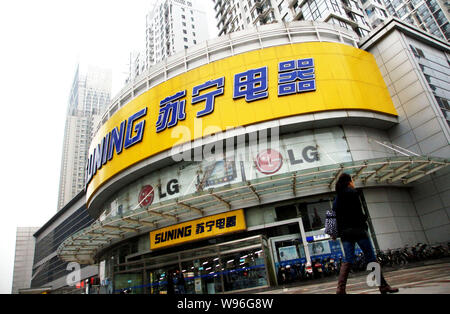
x=270, y=161
x=147, y=193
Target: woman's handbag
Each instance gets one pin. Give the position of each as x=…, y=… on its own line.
x=331, y=223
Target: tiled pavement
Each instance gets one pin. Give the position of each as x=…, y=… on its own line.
x=429, y=279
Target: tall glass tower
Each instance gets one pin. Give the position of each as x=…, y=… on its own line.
x=89, y=97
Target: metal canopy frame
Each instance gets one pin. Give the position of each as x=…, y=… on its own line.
x=83, y=246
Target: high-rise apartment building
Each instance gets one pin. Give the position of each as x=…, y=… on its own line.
x=431, y=16
x=136, y=66
x=235, y=15
x=89, y=97
x=174, y=25
x=23, y=260
x=359, y=15
x=375, y=11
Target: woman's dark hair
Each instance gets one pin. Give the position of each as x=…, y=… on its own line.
x=343, y=182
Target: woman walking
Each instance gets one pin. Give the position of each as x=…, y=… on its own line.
x=352, y=229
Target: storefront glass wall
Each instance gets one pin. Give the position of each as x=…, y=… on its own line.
x=295, y=239
x=226, y=267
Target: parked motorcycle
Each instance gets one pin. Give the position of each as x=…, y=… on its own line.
x=317, y=269
x=309, y=272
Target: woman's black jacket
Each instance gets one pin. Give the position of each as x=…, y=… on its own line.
x=349, y=213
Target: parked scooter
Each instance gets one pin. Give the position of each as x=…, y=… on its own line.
x=328, y=267
x=398, y=258
x=309, y=273
x=333, y=269
x=437, y=251
x=317, y=269
x=282, y=278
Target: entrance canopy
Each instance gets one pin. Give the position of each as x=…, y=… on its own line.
x=44, y=290
x=83, y=246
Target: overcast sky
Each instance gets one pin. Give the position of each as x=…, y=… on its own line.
x=41, y=44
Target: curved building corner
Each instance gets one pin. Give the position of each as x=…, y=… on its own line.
x=221, y=162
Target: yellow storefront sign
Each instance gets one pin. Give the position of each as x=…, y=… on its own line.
x=342, y=77
x=198, y=229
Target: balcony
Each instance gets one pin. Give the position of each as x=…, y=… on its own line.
x=351, y=8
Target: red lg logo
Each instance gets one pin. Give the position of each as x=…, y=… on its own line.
x=269, y=161
x=146, y=196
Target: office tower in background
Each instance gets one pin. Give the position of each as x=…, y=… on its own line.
x=23, y=260
x=89, y=97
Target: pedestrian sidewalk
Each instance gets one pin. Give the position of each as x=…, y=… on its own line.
x=423, y=279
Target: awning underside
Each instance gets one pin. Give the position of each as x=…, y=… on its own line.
x=83, y=246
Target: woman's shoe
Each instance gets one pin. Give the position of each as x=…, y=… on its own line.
x=388, y=289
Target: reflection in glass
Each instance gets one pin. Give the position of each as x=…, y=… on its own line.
x=231, y=266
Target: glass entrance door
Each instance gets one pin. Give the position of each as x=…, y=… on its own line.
x=289, y=258
x=162, y=280
x=231, y=266
x=236, y=265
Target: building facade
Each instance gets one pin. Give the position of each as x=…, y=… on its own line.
x=241, y=14
x=137, y=65
x=49, y=272
x=431, y=16
x=23, y=260
x=360, y=16
x=172, y=26
x=375, y=11
x=221, y=163
x=89, y=96
x=415, y=67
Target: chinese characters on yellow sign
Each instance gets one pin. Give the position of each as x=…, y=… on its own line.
x=252, y=87
x=198, y=229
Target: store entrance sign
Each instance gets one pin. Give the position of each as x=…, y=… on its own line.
x=198, y=229
x=119, y=139
x=242, y=90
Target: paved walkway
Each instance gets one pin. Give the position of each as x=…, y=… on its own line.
x=429, y=279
